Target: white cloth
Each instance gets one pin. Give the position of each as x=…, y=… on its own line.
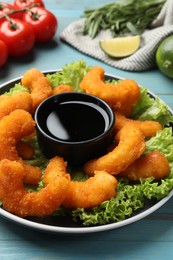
x=142, y=59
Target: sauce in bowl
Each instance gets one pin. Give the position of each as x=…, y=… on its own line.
x=73, y=121
x=73, y=125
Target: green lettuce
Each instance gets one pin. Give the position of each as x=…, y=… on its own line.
x=163, y=142
x=16, y=89
x=148, y=108
x=143, y=104
x=71, y=74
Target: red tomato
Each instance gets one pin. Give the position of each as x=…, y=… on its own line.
x=3, y=53
x=43, y=22
x=18, y=36
x=19, y=4
x=6, y=8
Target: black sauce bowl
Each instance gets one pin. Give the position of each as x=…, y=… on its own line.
x=76, y=126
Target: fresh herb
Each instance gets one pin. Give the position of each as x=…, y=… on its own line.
x=127, y=16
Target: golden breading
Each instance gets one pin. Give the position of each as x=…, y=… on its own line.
x=121, y=96
x=147, y=127
x=13, y=128
x=131, y=144
x=154, y=164
x=38, y=84
x=87, y=194
x=17, y=200
x=21, y=100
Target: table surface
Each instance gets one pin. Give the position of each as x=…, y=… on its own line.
x=149, y=238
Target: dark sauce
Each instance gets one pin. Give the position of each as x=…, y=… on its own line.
x=77, y=121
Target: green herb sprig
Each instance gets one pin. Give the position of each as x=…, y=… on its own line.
x=127, y=16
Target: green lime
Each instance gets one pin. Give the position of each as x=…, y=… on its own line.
x=121, y=46
x=164, y=56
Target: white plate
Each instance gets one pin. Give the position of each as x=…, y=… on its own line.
x=65, y=224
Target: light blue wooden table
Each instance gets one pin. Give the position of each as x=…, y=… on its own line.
x=149, y=238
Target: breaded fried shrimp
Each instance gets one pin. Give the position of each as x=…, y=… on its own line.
x=20, y=100
x=38, y=84
x=62, y=89
x=13, y=127
x=131, y=144
x=92, y=192
x=147, y=127
x=121, y=96
x=56, y=166
x=86, y=194
x=17, y=200
x=32, y=174
x=154, y=164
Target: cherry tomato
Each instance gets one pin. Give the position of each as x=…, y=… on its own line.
x=43, y=22
x=3, y=53
x=6, y=8
x=18, y=36
x=19, y=4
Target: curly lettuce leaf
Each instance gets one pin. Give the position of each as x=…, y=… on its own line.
x=16, y=89
x=156, y=190
x=148, y=108
x=163, y=142
x=158, y=112
x=143, y=104
x=71, y=74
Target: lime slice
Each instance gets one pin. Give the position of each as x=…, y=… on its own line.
x=121, y=46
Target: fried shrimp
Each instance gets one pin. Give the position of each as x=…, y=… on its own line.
x=121, y=96
x=148, y=128
x=13, y=127
x=20, y=100
x=131, y=144
x=92, y=192
x=154, y=164
x=38, y=84
x=56, y=166
x=87, y=194
x=62, y=89
x=17, y=200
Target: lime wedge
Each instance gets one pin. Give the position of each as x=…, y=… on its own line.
x=121, y=46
